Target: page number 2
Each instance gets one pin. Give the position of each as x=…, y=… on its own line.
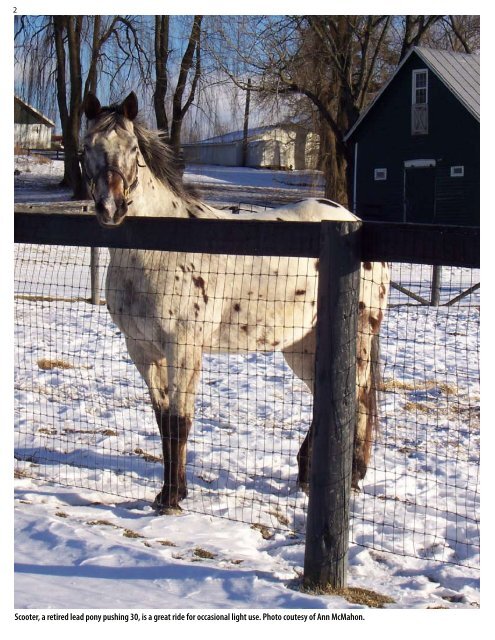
x=15, y=9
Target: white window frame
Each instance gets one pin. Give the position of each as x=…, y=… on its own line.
x=380, y=174
x=457, y=171
x=415, y=88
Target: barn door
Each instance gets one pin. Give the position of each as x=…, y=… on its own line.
x=419, y=194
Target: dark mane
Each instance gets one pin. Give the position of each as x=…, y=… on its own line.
x=157, y=153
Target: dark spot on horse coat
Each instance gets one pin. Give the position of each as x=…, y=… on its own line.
x=244, y=328
x=174, y=204
x=200, y=284
x=362, y=306
x=300, y=292
x=383, y=290
x=317, y=264
x=375, y=322
x=275, y=343
x=367, y=266
x=262, y=339
x=237, y=307
x=191, y=214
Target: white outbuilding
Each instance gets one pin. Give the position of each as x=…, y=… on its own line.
x=32, y=130
x=280, y=146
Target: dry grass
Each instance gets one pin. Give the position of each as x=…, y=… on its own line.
x=147, y=457
x=129, y=533
x=266, y=534
x=101, y=523
x=417, y=385
x=277, y=513
x=19, y=474
x=354, y=595
x=204, y=554
x=166, y=543
x=47, y=364
x=416, y=407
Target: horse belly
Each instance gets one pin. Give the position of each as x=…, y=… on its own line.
x=269, y=306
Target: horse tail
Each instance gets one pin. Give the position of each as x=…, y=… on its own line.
x=367, y=413
x=374, y=396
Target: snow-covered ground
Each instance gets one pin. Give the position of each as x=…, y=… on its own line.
x=83, y=419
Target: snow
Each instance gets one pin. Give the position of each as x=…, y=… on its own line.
x=93, y=542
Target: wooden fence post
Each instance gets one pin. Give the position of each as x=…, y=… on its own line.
x=436, y=283
x=334, y=413
x=95, y=275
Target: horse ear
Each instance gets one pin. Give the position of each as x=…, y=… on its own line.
x=130, y=106
x=91, y=106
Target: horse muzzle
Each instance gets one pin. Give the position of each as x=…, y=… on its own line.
x=110, y=212
x=113, y=190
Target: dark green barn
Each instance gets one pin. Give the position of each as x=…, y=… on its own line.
x=417, y=147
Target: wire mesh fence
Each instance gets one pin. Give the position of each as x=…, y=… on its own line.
x=84, y=416
x=421, y=497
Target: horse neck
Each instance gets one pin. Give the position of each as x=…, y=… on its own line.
x=153, y=198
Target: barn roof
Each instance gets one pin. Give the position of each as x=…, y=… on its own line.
x=37, y=114
x=235, y=136
x=459, y=72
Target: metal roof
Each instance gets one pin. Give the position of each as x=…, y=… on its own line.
x=34, y=111
x=460, y=72
x=236, y=136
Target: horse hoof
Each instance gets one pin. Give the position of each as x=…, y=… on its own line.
x=355, y=486
x=304, y=486
x=168, y=511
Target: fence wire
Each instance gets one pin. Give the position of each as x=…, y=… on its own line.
x=84, y=417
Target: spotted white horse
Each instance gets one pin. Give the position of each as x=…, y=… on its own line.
x=173, y=306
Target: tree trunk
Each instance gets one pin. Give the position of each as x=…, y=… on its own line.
x=335, y=167
x=72, y=143
x=162, y=24
x=179, y=109
x=70, y=115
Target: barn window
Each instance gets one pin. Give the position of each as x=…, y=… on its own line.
x=457, y=172
x=419, y=108
x=380, y=174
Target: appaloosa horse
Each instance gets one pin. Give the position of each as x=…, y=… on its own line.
x=173, y=306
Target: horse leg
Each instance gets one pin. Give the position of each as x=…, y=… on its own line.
x=373, y=301
x=300, y=356
x=154, y=370
x=175, y=420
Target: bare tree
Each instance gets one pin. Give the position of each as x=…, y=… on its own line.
x=337, y=63
x=75, y=47
x=187, y=79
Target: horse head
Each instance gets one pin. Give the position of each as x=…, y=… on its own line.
x=111, y=156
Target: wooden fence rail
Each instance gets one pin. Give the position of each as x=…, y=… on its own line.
x=389, y=242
